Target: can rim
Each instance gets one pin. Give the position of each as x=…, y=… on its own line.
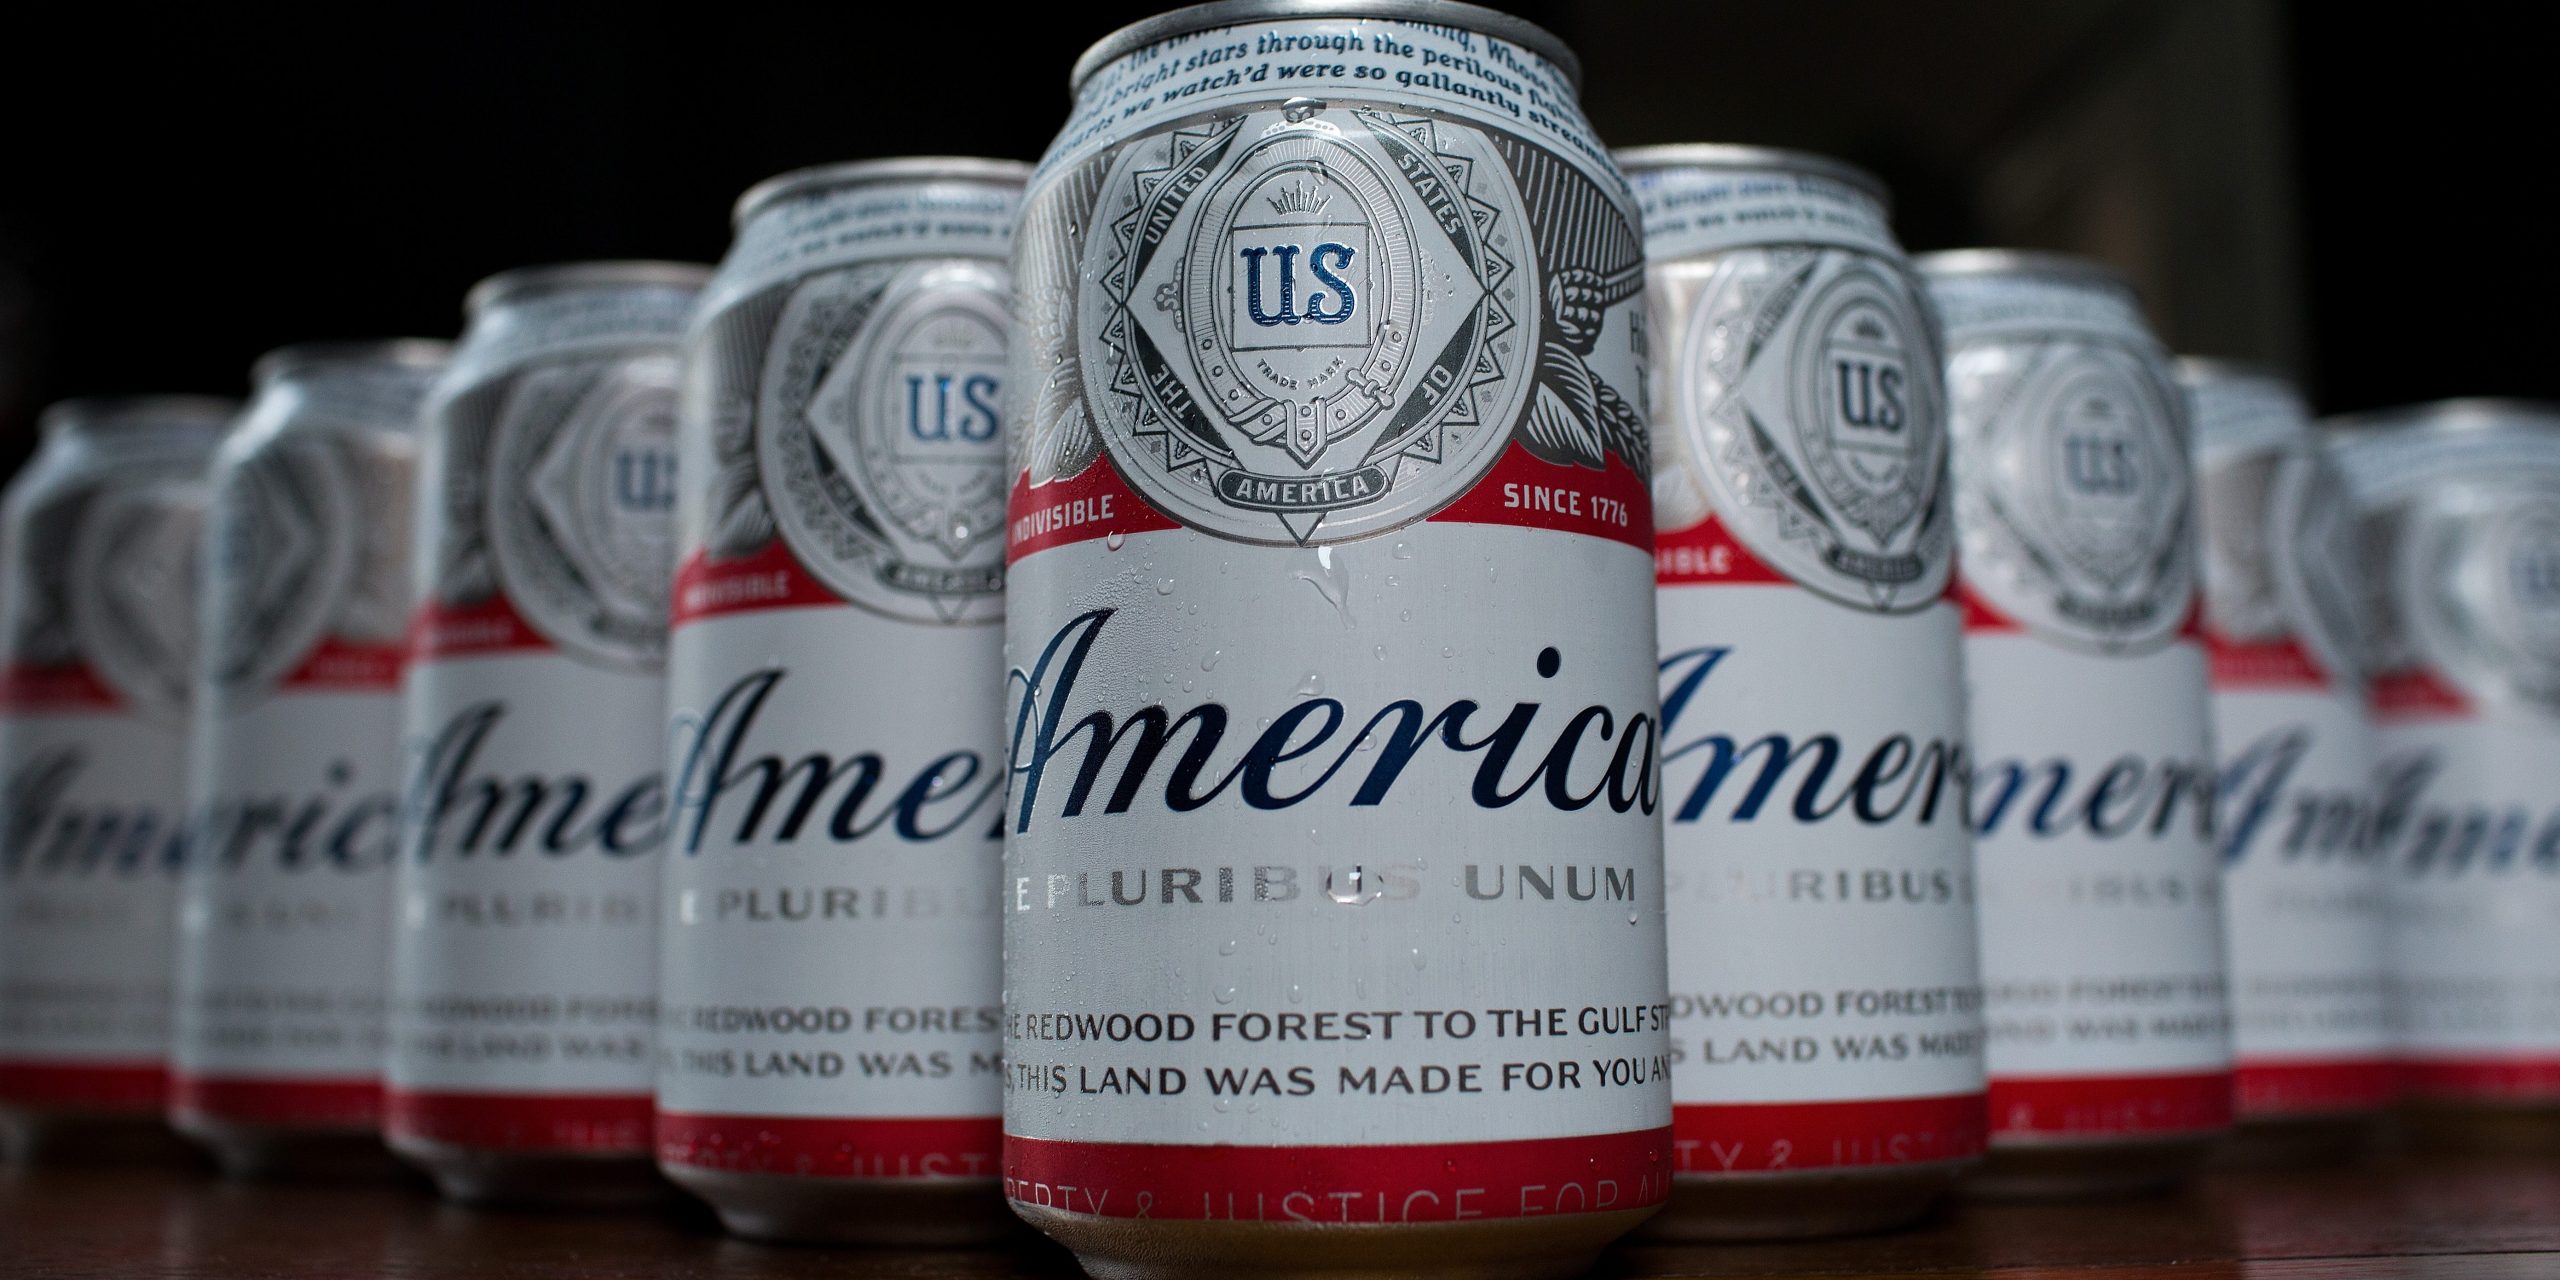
x=1229, y=13
x=2461, y=413
x=2019, y=262
x=855, y=173
x=578, y=275
x=112, y=412
x=2226, y=368
x=1750, y=156
x=407, y=353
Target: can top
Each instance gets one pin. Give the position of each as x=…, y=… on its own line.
x=2194, y=369
x=1230, y=13
x=1730, y=155
x=2020, y=262
x=406, y=353
x=855, y=173
x=2469, y=413
x=582, y=275
x=208, y=414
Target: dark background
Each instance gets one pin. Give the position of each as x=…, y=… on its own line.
x=2342, y=191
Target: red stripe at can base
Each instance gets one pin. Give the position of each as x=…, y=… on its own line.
x=905, y=1147
x=2273, y=1089
x=300, y=1104
x=2110, y=1106
x=85, y=1086
x=1790, y=1137
x=1438, y=1182
x=2496, y=1081
x=584, y=1123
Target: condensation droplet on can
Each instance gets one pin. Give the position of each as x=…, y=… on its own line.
x=1115, y=541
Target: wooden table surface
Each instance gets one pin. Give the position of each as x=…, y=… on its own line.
x=2475, y=1218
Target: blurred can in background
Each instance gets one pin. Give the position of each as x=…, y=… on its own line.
x=99, y=540
x=1332, y=877
x=523, y=981
x=2109, y=1046
x=2304, y=923
x=293, y=770
x=834, y=675
x=1818, y=865
x=2459, y=507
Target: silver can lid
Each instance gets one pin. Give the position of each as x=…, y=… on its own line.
x=118, y=414
x=1738, y=156
x=402, y=353
x=1949, y=263
x=1235, y=13
x=2469, y=413
x=582, y=275
x=858, y=173
x=2195, y=369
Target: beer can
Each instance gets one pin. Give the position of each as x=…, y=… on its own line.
x=830, y=969
x=2304, y=923
x=293, y=767
x=1826, y=1005
x=2459, y=508
x=523, y=998
x=2108, y=1030
x=1332, y=889
x=98, y=541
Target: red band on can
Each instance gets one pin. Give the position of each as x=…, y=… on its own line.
x=2489, y=1080
x=85, y=1086
x=298, y=1104
x=1782, y=1137
x=1524, y=491
x=770, y=579
x=819, y=1147
x=2111, y=1106
x=1707, y=553
x=487, y=626
x=1439, y=1182
x=2415, y=694
x=1093, y=503
x=2280, y=664
x=606, y=1123
x=333, y=664
x=73, y=687
x=2265, y=1088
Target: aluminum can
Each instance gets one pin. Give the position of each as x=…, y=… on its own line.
x=523, y=999
x=1826, y=1006
x=2303, y=887
x=2109, y=1043
x=830, y=966
x=2459, y=507
x=1332, y=895
x=98, y=542
x=293, y=787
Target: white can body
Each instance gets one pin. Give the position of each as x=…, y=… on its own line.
x=2103, y=976
x=2303, y=880
x=1826, y=1003
x=284, y=931
x=524, y=961
x=1332, y=885
x=2465, y=516
x=100, y=547
x=831, y=982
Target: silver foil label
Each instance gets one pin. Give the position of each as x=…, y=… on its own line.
x=2073, y=489
x=581, y=494
x=878, y=448
x=1809, y=398
x=132, y=591
x=2479, y=582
